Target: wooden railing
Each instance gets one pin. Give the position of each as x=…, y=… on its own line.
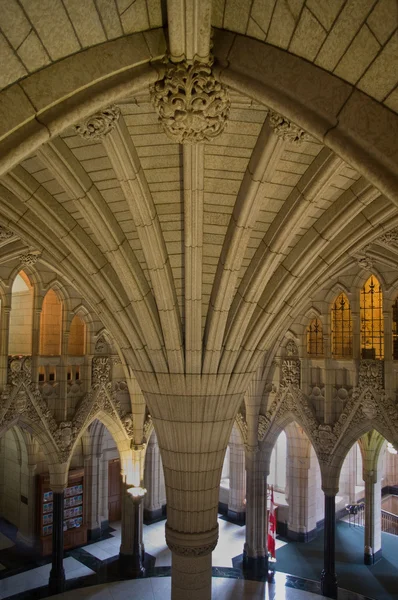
x=389, y=522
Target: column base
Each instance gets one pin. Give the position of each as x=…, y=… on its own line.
x=328, y=584
x=56, y=583
x=371, y=559
x=130, y=565
x=236, y=517
x=300, y=536
x=256, y=567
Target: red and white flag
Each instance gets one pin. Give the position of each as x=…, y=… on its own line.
x=271, y=526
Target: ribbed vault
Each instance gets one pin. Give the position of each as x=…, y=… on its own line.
x=198, y=257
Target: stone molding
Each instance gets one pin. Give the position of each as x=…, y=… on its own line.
x=192, y=105
x=191, y=545
x=100, y=124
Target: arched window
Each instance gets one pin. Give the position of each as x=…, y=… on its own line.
x=395, y=329
x=51, y=325
x=372, y=323
x=20, y=336
x=277, y=475
x=341, y=328
x=315, y=338
x=77, y=337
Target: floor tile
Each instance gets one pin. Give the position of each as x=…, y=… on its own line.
x=5, y=542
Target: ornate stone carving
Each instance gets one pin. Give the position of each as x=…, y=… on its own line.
x=369, y=407
x=101, y=371
x=192, y=106
x=128, y=424
x=371, y=374
x=263, y=425
x=192, y=551
x=287, y=130
x=101, y=346
x=100, y=124
x=5, y=234
x=365, y=262
x=30, y=259
x=148, y=427
x=291, y=348
x=290, y=373
x=242, y=425
x=389, y=238
x=19, y=370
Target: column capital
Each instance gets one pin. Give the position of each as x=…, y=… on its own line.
x=191, y=545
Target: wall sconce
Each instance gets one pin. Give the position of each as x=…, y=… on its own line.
x=136, y=493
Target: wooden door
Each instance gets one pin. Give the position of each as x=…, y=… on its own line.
x=114, y=490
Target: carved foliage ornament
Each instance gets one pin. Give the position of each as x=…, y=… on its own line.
x=365, y=262
x=192, y=551
x=5, y=234
x=30, y=259
x=192, y=106
x=287, y=130
x=100, y=124
x=371, y=374
x=388, y=238
x=290, y=373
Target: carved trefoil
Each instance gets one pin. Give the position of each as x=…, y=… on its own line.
x=192, y=105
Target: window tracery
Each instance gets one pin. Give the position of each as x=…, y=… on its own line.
x=372, y=322
x=341, y=328
x=315, y=338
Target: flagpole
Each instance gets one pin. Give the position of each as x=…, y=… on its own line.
x=271, y=537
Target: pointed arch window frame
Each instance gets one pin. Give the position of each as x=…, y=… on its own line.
x=315, y=341
x=371, y=319
x=341, y=327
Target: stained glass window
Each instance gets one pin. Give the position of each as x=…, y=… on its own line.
x=372, y=322
x=341, y=328
x=315, y=338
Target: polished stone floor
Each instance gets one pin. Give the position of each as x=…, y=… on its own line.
x=95, y=563
x=159, y=588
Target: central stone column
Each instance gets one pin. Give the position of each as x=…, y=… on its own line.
x=191, y=563
x=193, y=430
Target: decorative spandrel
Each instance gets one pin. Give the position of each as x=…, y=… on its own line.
x=192, y=105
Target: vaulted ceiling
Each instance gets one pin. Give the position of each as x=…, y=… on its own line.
x=196, y=256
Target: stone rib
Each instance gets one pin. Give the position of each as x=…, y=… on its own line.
x=265, y=156
x=193, y=247
x=127, y=166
